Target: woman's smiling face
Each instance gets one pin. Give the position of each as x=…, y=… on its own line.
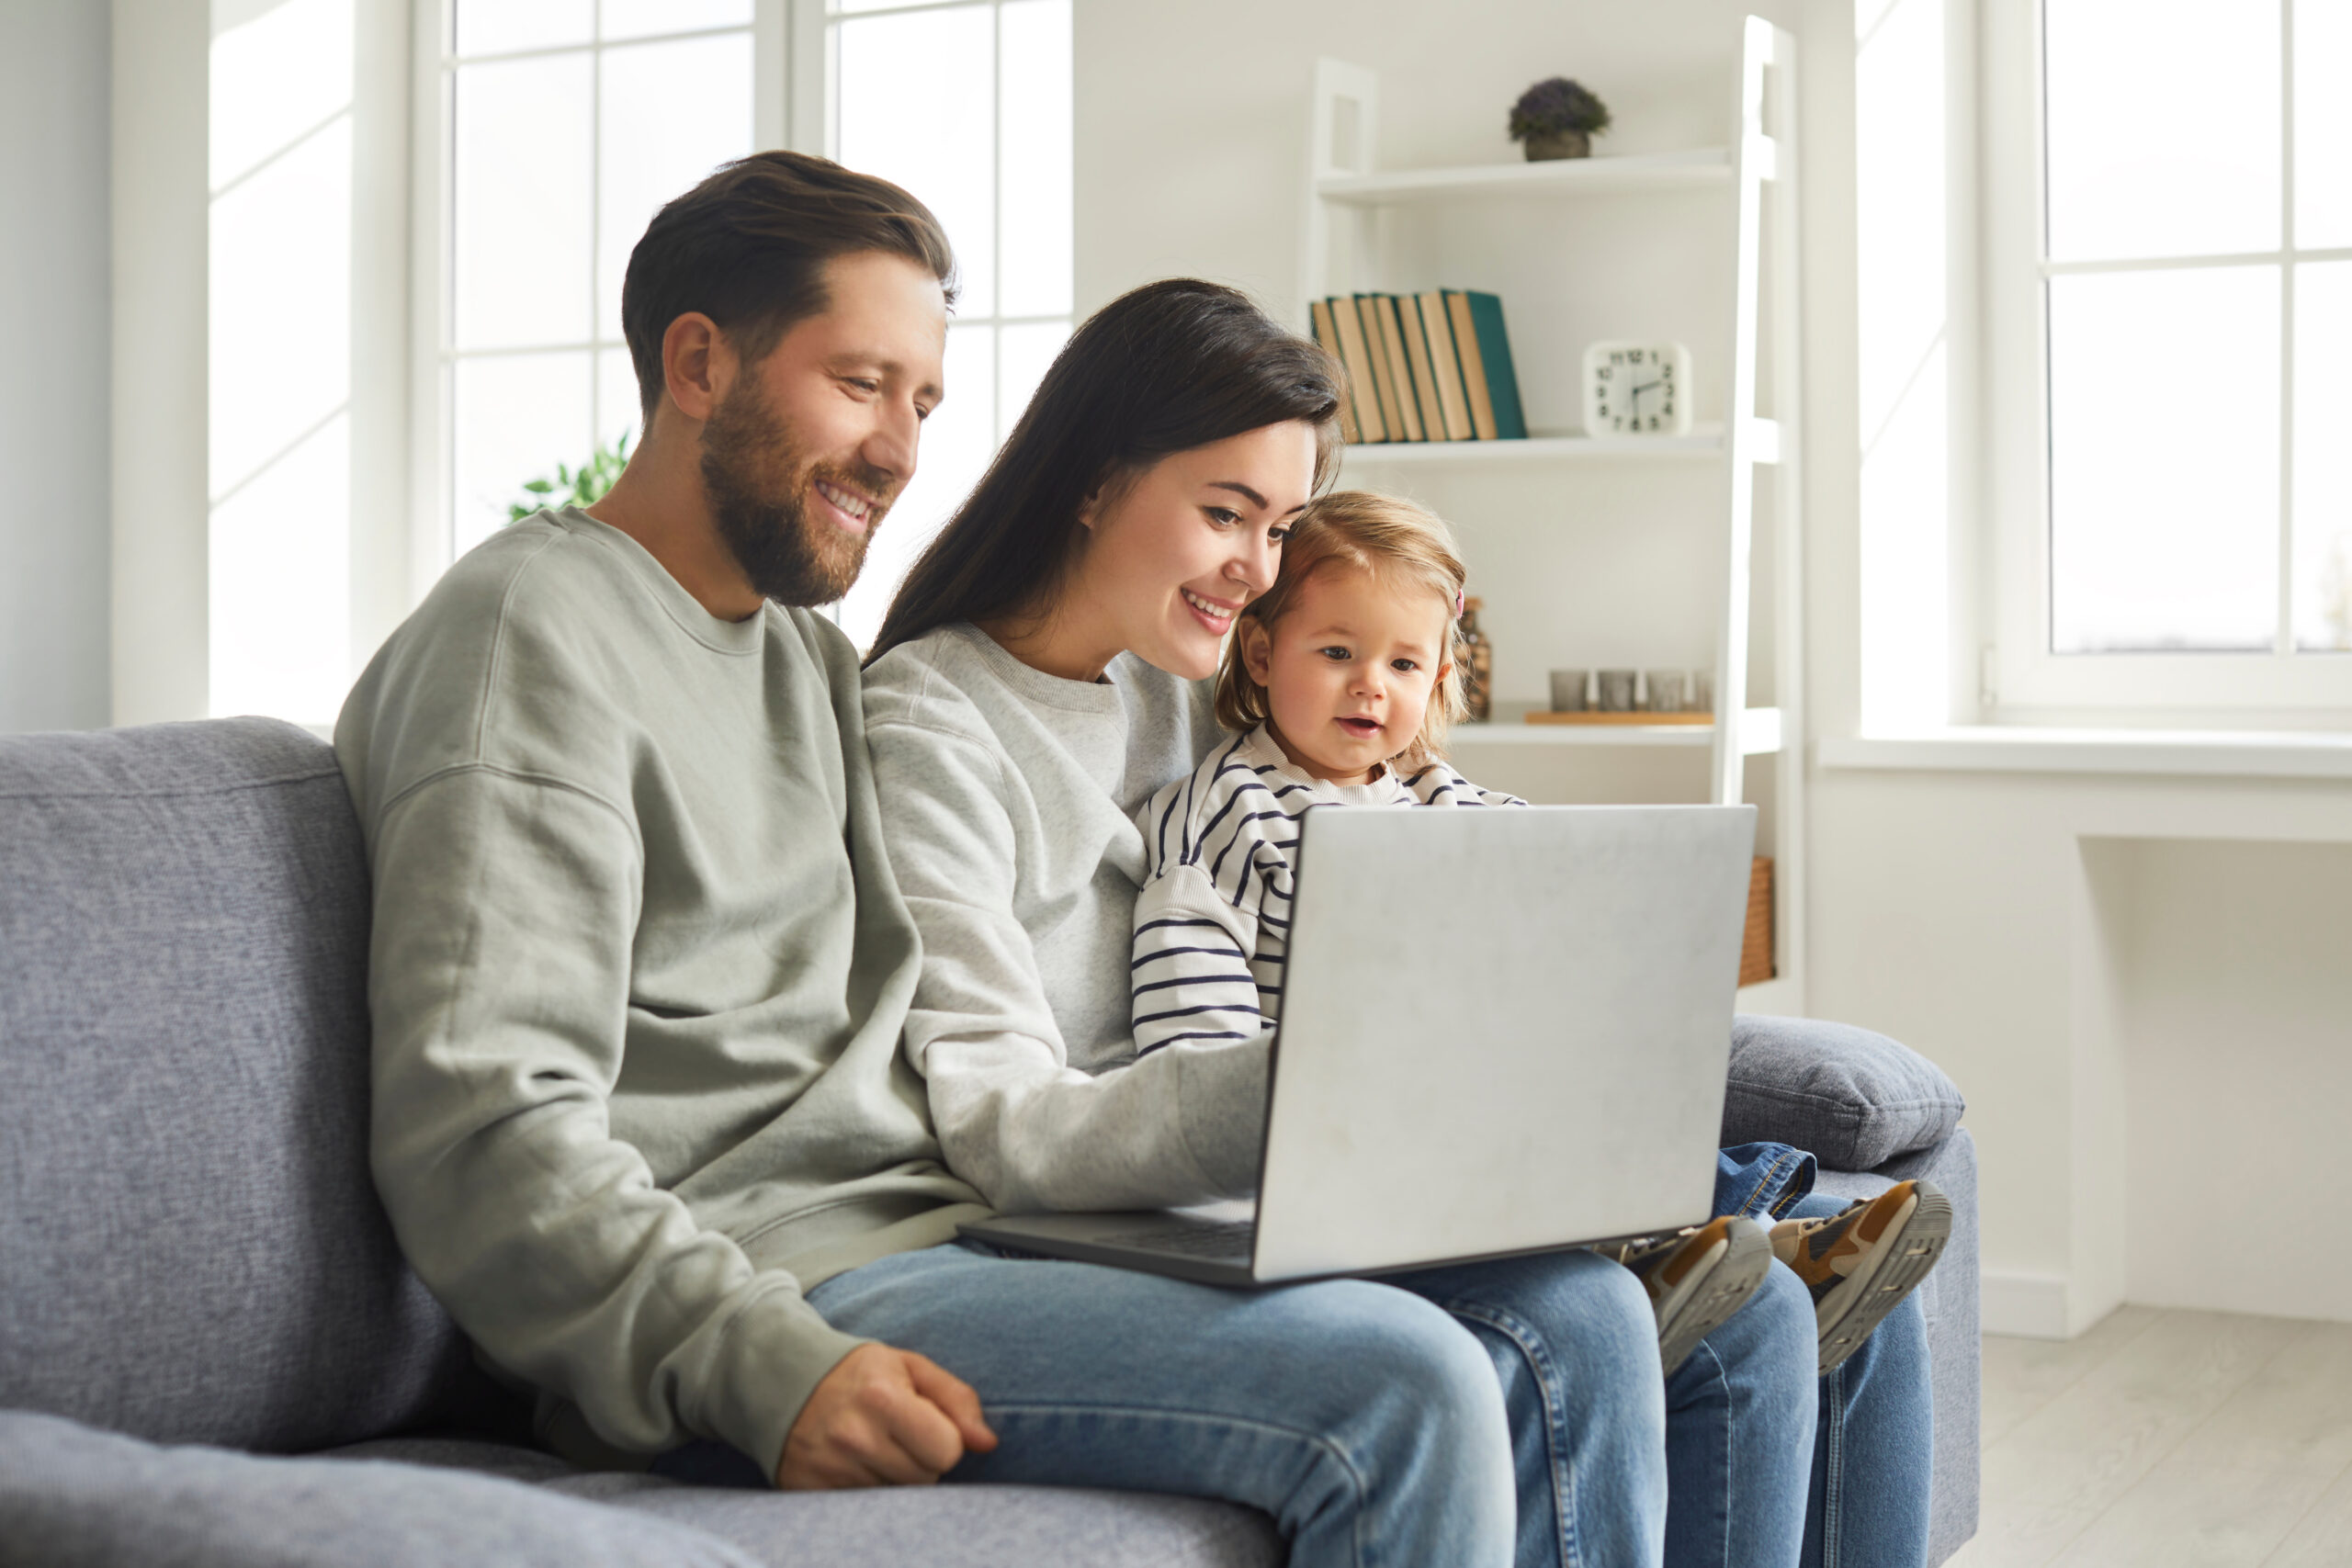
x=1173, y=554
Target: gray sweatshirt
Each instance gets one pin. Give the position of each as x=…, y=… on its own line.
x=637, y=975
x=1008, y=801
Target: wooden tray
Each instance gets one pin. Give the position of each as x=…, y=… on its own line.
x=1590, y=716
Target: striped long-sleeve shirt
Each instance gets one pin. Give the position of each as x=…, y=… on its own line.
x=1213, y=920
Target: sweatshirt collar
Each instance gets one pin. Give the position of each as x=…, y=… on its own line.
x=746, y=636
x=1033, y=686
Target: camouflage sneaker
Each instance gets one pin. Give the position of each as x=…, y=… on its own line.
x=1862, y=1262
x=1697, y=1278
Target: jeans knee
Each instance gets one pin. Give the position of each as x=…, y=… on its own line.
x=1779, y=1323
x=1423, y=1378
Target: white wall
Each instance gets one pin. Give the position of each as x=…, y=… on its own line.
x=2033, y=933
x=53, y=364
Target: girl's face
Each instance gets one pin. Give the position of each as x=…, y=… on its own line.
x=1350, y=669
x=1172, y=556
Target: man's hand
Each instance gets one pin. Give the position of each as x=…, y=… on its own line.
x=882, y=1417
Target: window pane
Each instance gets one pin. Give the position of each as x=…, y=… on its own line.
x=2164, y=459
x=918, y=106
x=2322, y=455
x=2162, y=124
x=958, y=440
x=280, y=591
x=280, y=288
x=1037, y=158
x=639, y=18
x=276, y=78
x=517, y=417
x=616, y=411
x=672, y=113
x=1023, y=355
x=494, y=27
x=522, y=177
x=2323, y=124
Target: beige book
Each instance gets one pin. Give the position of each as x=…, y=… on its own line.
x=1474, y=364
x=1327, y=333
x=1358, y=358
x=1416, y=354
x=1445, y=371
x=1414, y=379
x=1391, y=367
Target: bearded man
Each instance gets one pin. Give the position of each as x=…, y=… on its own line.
x=639, y=968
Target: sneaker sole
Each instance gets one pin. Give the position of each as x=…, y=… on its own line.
x=1727, y=1285
x=1903, y=1261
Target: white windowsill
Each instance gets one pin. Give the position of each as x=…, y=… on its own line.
x=2015, y=748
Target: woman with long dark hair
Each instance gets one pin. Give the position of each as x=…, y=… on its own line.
x=1042, y=673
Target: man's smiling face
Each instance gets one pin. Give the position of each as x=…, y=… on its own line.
x=805, y=453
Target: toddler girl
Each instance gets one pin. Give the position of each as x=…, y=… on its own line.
x=1341, y=681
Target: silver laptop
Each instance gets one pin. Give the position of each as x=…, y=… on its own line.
x=1502, y=1031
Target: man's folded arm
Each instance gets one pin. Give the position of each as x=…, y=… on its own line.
x=504, y=911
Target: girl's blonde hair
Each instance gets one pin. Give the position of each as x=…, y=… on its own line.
x=1398, y=543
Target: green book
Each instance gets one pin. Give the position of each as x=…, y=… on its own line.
x=1493, y=355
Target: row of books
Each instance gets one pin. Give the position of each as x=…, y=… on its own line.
x=1432, y=367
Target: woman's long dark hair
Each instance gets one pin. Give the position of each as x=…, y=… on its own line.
x=1168, y=367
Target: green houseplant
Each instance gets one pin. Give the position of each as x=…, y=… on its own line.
x=1558, y=118
x=583, y=486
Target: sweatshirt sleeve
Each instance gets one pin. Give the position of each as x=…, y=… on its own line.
x=504, y=911
x=1016, y=1119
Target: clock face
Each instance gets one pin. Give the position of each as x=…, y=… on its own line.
x=1636, y=389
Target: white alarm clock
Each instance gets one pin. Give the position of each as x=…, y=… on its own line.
x=1636, y=389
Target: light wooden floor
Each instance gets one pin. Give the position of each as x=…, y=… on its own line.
x=2163, y=1440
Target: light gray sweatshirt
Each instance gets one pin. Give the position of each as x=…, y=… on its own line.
x=637, y=975
x=1008, y=801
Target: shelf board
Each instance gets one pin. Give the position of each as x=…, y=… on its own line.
x=1560, y=176
x=1759, y=734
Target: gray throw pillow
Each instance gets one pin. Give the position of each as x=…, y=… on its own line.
x=1853, y=1097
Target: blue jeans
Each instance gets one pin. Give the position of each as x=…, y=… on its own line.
x=1343, y=1410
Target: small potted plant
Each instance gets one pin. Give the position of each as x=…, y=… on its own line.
x=1558, y=118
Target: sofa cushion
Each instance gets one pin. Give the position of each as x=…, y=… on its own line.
x=73, y=1497
x=1854, y=1098
x=190, y=1249
x=951, y=1526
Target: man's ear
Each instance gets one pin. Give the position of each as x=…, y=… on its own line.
x=697, y=364
x=1257, y=647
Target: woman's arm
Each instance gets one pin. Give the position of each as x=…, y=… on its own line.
x=1014, y=1119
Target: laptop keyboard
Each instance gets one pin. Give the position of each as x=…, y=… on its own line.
x=1190, y=1238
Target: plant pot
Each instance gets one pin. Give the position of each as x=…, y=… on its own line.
x=1547, y=145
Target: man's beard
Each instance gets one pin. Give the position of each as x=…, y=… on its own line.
x=758, y=483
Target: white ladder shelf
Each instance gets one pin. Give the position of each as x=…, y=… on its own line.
x=1339, y=253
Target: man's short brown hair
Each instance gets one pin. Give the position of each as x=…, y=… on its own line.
x=748, y=248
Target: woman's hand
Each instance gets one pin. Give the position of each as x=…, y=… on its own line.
x=882, y=1417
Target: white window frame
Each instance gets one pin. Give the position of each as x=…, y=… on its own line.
x=2024, y=678
x=825, y=24
x=776, y=87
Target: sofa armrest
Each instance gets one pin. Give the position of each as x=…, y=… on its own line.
x=72, y=1496
x=1853, y=1097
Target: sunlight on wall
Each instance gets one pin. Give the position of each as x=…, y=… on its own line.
x=279, y=400
x=1904, y=392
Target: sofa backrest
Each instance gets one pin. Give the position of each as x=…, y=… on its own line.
x=190, y=1248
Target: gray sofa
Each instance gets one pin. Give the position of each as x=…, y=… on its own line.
x=210, y=1350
